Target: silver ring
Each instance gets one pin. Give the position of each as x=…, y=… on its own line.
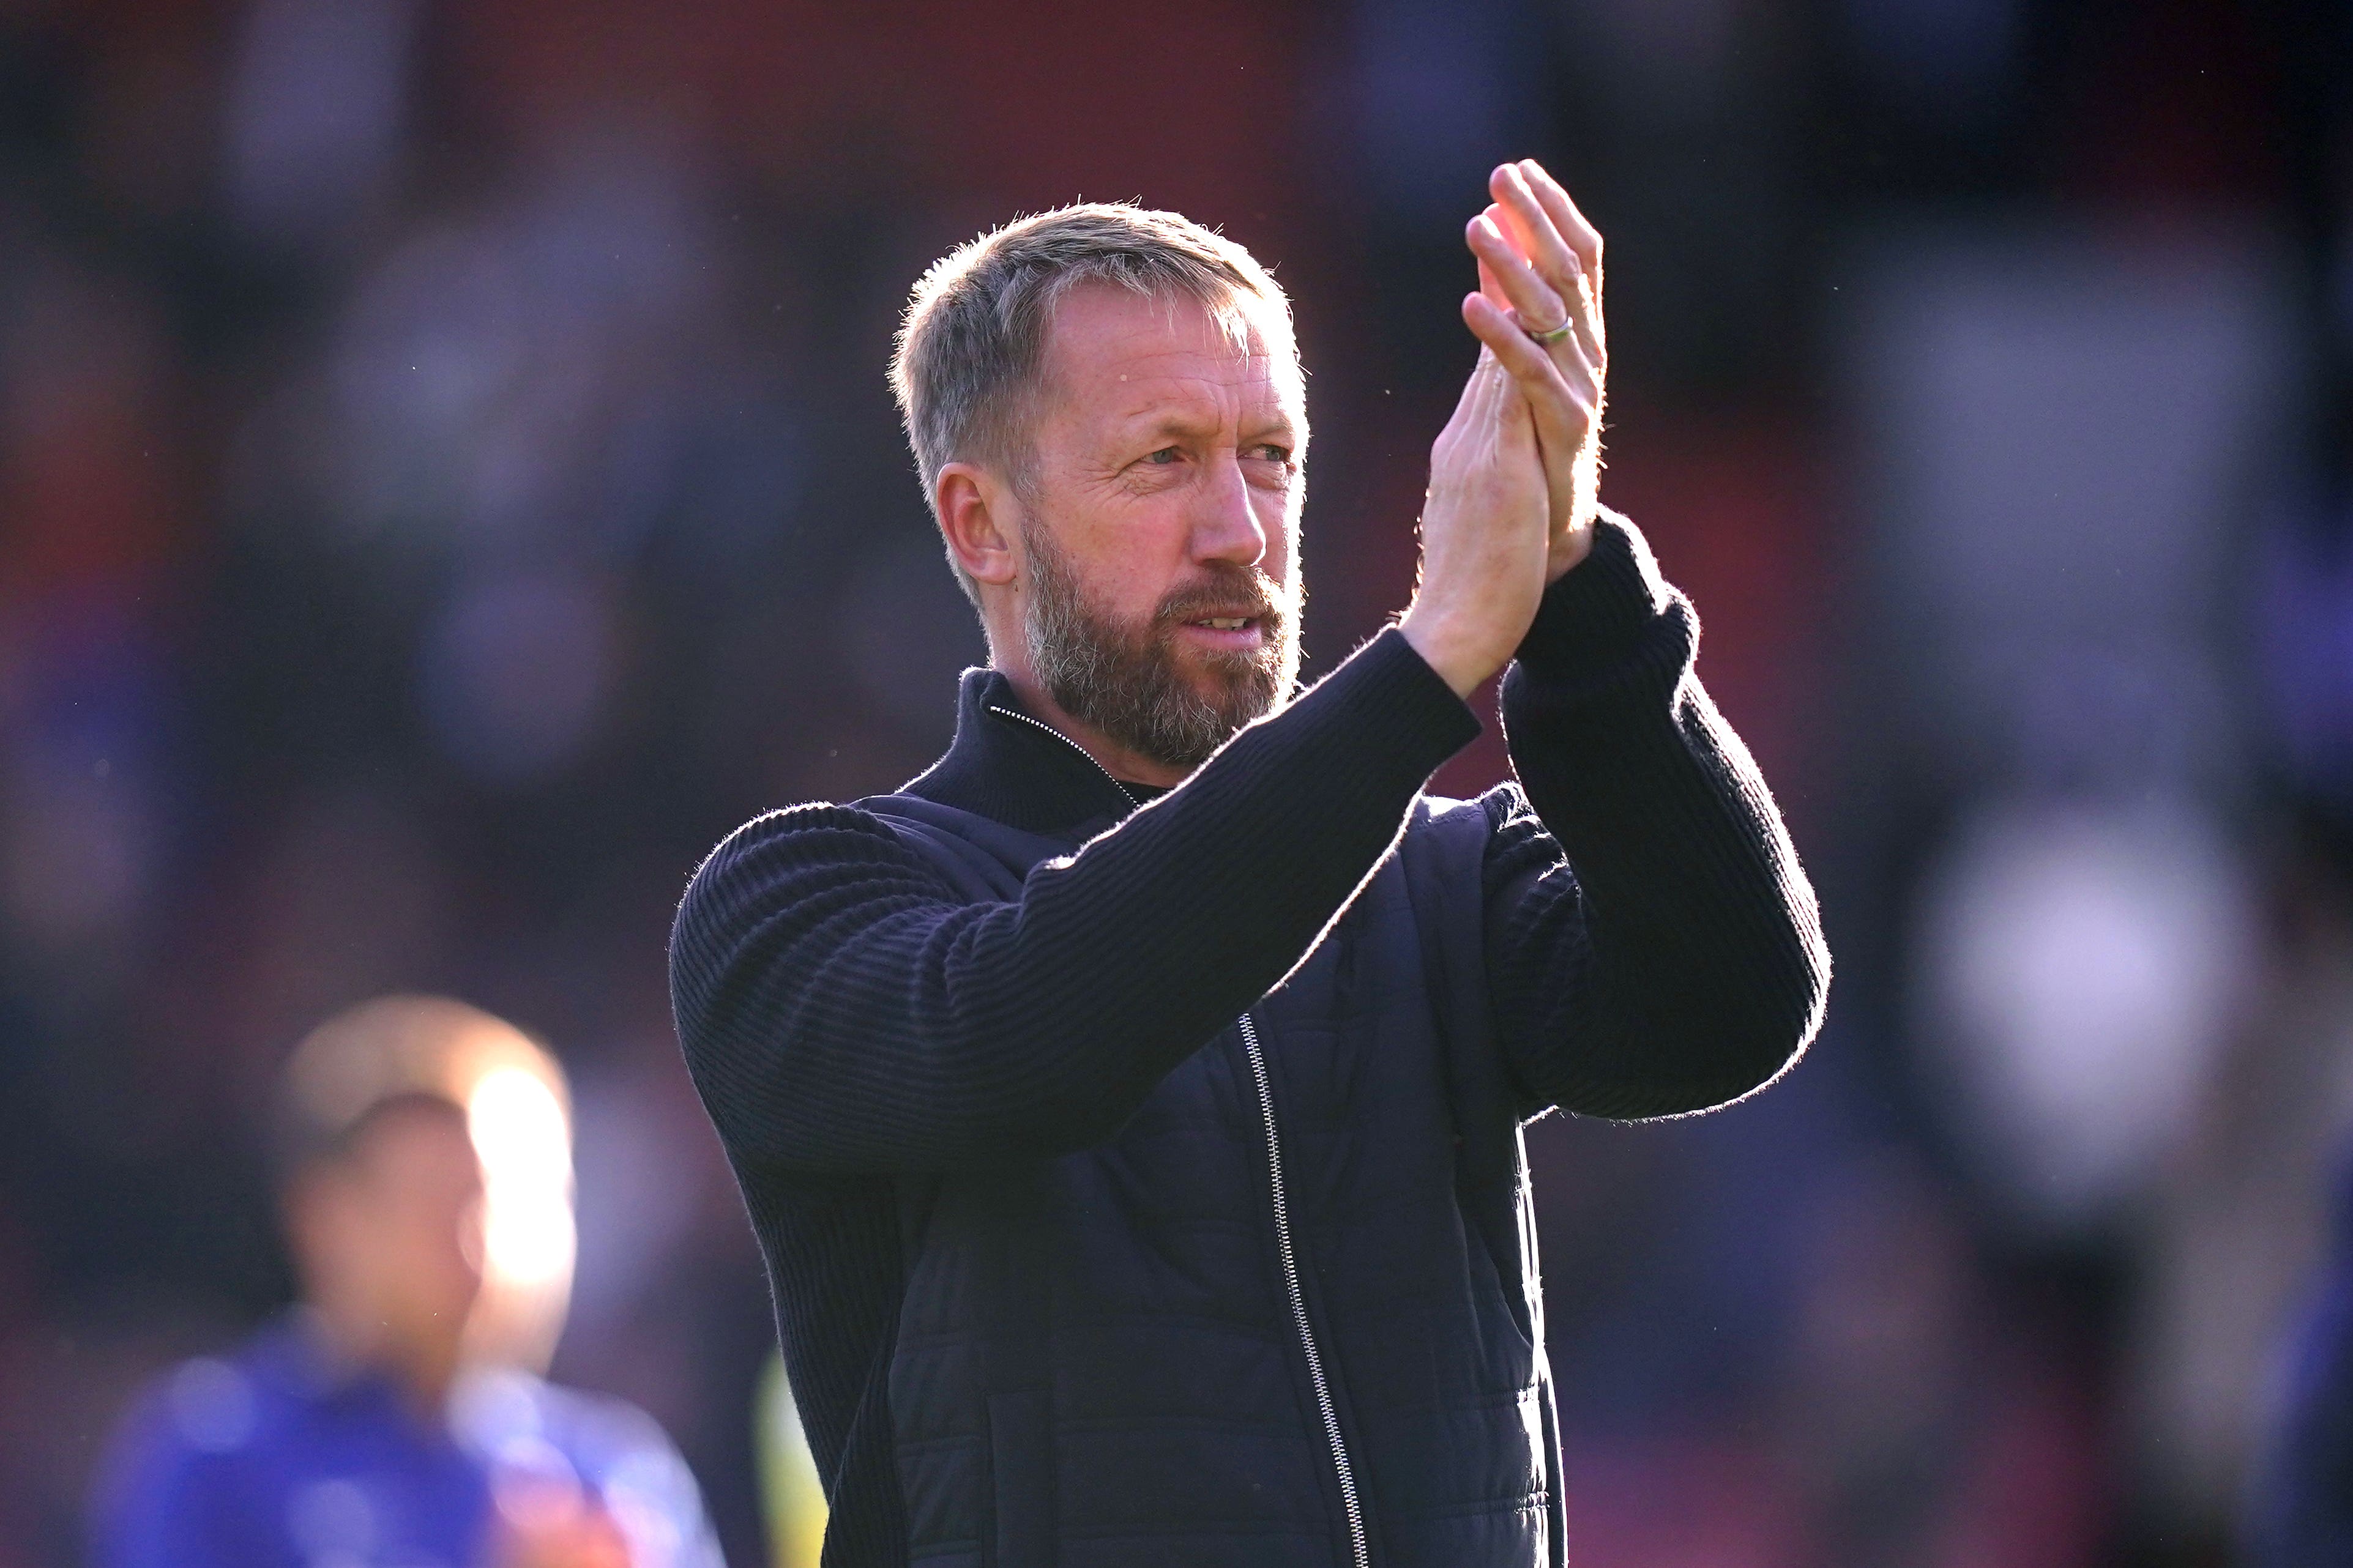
x=1550, y=335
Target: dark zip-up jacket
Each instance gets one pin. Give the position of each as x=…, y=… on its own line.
x=1145, y=1187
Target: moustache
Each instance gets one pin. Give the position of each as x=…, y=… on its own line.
x=1250, y=595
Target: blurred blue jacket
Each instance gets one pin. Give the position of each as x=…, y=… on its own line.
x=278, y=1457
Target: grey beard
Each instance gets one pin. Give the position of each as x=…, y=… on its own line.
x=1124, y=681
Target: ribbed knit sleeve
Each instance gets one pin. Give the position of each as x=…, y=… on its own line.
x=842, y=1009
x=1654, y=947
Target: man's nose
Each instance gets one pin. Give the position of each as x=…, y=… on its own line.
x=1227, y=527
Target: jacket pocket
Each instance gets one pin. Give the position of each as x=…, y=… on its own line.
x=1021, y=1475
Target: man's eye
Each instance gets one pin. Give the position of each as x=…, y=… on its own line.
x=1165, y=455
x=1272, y=453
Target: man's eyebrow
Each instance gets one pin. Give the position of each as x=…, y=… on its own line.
x=1179, y=422
x=1188, y=417
x=1163, y=419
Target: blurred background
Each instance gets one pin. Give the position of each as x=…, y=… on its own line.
x=447, y=480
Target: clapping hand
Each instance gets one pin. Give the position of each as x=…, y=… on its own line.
x=1511, y=476
x=1540, y=260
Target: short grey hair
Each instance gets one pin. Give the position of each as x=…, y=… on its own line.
x=971, y=350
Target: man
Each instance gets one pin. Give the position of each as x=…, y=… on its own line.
x=390, y=1421
x=1130, y=1106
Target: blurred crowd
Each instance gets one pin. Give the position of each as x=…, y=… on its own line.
x=447, y=480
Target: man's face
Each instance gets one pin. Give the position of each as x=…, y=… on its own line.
x=393, y=1228
x=1161, y=523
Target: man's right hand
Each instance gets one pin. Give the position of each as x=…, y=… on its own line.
x=551, y=1524
x=1485, y=531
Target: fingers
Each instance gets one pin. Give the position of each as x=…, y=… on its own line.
x=1499, y=336
x=1540, y=306
x=1497, y=333
x=1557, y=401
x=1543, y=301
x=1492, y=286
x=1582, y=238
x=1507, y=282
x=1477, y=387
x=1563, y=413
x=1539, y=239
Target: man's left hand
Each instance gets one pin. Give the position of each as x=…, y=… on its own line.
x=1540, y=259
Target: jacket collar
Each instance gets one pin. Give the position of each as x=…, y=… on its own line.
x=1018, y=770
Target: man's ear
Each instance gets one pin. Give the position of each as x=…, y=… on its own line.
x=976, y=513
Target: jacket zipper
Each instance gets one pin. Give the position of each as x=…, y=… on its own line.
x=1360, y=1554
x=1035, y=724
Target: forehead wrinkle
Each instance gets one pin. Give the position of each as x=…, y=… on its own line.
x=1221, y=379
x=1231, y=338
x=1187, y=394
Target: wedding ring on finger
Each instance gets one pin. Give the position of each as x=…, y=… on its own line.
x=1549, y=335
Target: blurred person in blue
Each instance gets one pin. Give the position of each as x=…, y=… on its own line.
x=1130, y=1107
x=396, y=1416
